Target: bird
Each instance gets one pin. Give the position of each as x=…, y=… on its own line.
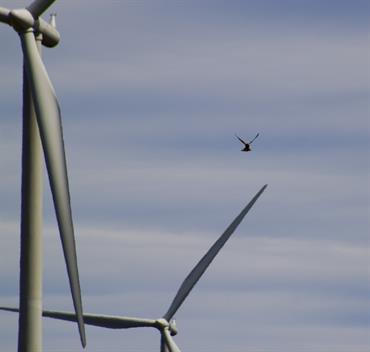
x=247, y=146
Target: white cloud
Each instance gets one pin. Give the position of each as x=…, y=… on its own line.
x=151, y=98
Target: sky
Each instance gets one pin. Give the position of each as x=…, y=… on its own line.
x=152, y=93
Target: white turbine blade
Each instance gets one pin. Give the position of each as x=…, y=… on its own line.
x=105, y=321
x=38, y=7
x=8, y=309
x=163, y=344
x=170, y=343
x=4, y=15
x=203, y=264
x=49, y=123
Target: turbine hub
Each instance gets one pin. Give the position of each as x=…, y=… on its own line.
x=162, y=324
x=21, y=19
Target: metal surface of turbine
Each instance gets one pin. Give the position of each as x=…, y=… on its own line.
x=166, y=325
x=40, y=104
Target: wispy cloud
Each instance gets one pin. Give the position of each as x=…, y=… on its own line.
x=151, y=95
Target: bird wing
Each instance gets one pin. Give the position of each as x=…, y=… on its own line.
x=254, y=138
x=240, y=139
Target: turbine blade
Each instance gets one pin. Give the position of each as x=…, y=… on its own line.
x=49, y=123
x=163, y=344
x=38, y=7
x=4, y=15
x=105, y=321
x=8, y=309
x=203, y=264
x=169, y=342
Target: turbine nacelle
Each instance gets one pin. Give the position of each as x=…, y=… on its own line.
x=22, y=20
x=173, y=327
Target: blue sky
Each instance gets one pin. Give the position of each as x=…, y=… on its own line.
x=152, y=93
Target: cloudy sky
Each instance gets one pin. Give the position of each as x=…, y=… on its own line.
x=152, y=92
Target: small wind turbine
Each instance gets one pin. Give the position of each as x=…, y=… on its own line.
x=166, y=325
x=41, y=120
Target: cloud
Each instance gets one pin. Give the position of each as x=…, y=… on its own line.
x=152, y=94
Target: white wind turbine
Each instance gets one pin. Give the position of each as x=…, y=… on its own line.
x=41, y=121
x=166, y=325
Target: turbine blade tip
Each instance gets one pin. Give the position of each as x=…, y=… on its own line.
x=83, y=341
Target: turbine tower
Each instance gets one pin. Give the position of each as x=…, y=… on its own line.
x=42, y=130
x=166, y=325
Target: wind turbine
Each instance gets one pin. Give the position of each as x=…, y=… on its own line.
x=41, y=121
x=166, y=325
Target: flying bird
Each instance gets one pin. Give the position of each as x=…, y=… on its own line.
x=247, y=146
